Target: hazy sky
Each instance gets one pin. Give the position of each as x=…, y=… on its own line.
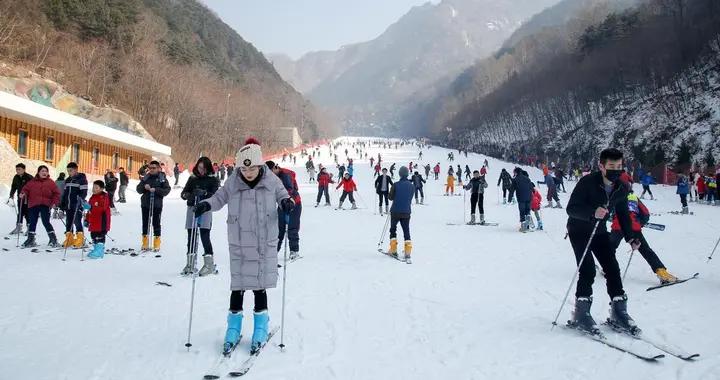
x=295, y=27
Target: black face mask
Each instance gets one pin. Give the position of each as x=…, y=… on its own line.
x=613, y=174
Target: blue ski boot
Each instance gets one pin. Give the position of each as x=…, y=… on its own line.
x=232, y=335
x=97, y=252
x=540, y=226
x=260, y=330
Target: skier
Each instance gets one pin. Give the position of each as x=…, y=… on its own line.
x=596, y=197
x=19, y=181
x=348, y=186
x=535, y=204
x=377, y=170
x=153, y=187
x=459, y=174
x=646, y=180
x=341, y=171
x=418, y=182
x=450, y=184
x=506, y=181
x=427, y=171
x=639, y=216
x=552, y=193
x=477, y=187
x=710, y=189
x=312, y=173
x=124, y=181
x=392, y=170
x=98, y=219
x=252, y=197
x=372, y=162
x=40, y=194
x=310, y=167
x=60, y=182
x=717, y=189
x=436, y=171
x=292, y=225
x=683, y=188
x=110, y=185
x=383, y=183
x=560, y=179
x=324, y=180
x=401, y=194
x=76, y=187
x=201, y=185
x=522, y=187
x=351, y=168
x=176, y=173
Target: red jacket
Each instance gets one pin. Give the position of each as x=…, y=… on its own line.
x=347, y=185
x=636, y=225
x=324, y=179
x=377, y=168
x=99, y=215
x=536, y=200
x=41, y=192
x=701, y=185
x=436, y=169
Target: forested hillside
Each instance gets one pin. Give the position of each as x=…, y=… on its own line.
x=645, y=78
x=191, y=80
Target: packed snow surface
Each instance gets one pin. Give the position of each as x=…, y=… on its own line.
x=477, y=302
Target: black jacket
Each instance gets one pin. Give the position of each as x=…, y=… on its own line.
x=506, y=180
x=418, y=181
x=477, y=185
x=209, y=183
x=124, y=179
x=75, y=186
x=588, y=195
x=378, y=183
x=159, y=183
x=19, y=182
x=110, y=183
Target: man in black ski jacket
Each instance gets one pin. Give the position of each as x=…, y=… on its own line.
x=523, y=188
x=383, y=183
x=153, y=187
x=76, y=188
x=19, y=180
x=506, y=181
x=595, y=199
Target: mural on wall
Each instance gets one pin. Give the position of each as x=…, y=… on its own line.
x=51, y=94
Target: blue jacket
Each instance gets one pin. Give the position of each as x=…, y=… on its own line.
x=646, y=180
x=402, y=194
x=683, y=186
x=523, y=188
x=75, y=186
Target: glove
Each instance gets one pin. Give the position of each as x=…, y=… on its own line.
x=63, y=206
x=201, y=208
x=287, y=205
x=200, y=192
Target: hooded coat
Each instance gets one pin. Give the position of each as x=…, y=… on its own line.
x=252, y=224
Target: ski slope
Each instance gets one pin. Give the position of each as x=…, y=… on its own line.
x=477, y=302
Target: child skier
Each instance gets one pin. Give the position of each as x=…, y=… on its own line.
x=40, y=194
x=153, y=187
x=252, y=197
x=418, y=182
x=477, y=187
x=349, y=187
x=646, y=180
x=535, y=204
x=639, y=216
x=324, y=180
x=98, y=219
x=76, y=187
x=683, y=189
x=450, y=184
x=401, y=194
x=201, y=185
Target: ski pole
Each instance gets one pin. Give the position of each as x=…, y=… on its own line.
x=577, y=271
x=151, y=216
x=285, y=265
x=713, y=251
x=193, y=261
x=385, y=227
x=628, y=264
x=18, y=211
x=463, y=209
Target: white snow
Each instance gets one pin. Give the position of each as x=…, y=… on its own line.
x=476, y=303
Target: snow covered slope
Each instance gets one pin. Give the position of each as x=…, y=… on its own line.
x=476, y=303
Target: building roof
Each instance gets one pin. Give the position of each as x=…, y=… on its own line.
x=22, y=109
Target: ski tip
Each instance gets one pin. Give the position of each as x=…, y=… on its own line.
x=237, y=373
x=690, y=357
x=211, y=377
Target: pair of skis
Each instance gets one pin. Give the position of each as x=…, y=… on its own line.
x=486, y=224
x=628, y=349
x=396, y=257
x=215, y=372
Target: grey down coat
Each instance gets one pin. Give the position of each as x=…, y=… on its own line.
x=252, y=224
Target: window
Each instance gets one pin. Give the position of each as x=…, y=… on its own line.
x=129, y=164
x=116, y=160
x=22, y=143
x=75, y=153
x=50, y=149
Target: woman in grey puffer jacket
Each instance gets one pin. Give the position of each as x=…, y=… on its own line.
x=252, y=196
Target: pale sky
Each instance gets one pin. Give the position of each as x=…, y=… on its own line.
x=295, y=27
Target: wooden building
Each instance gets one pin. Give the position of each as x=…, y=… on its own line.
x=37, y=132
